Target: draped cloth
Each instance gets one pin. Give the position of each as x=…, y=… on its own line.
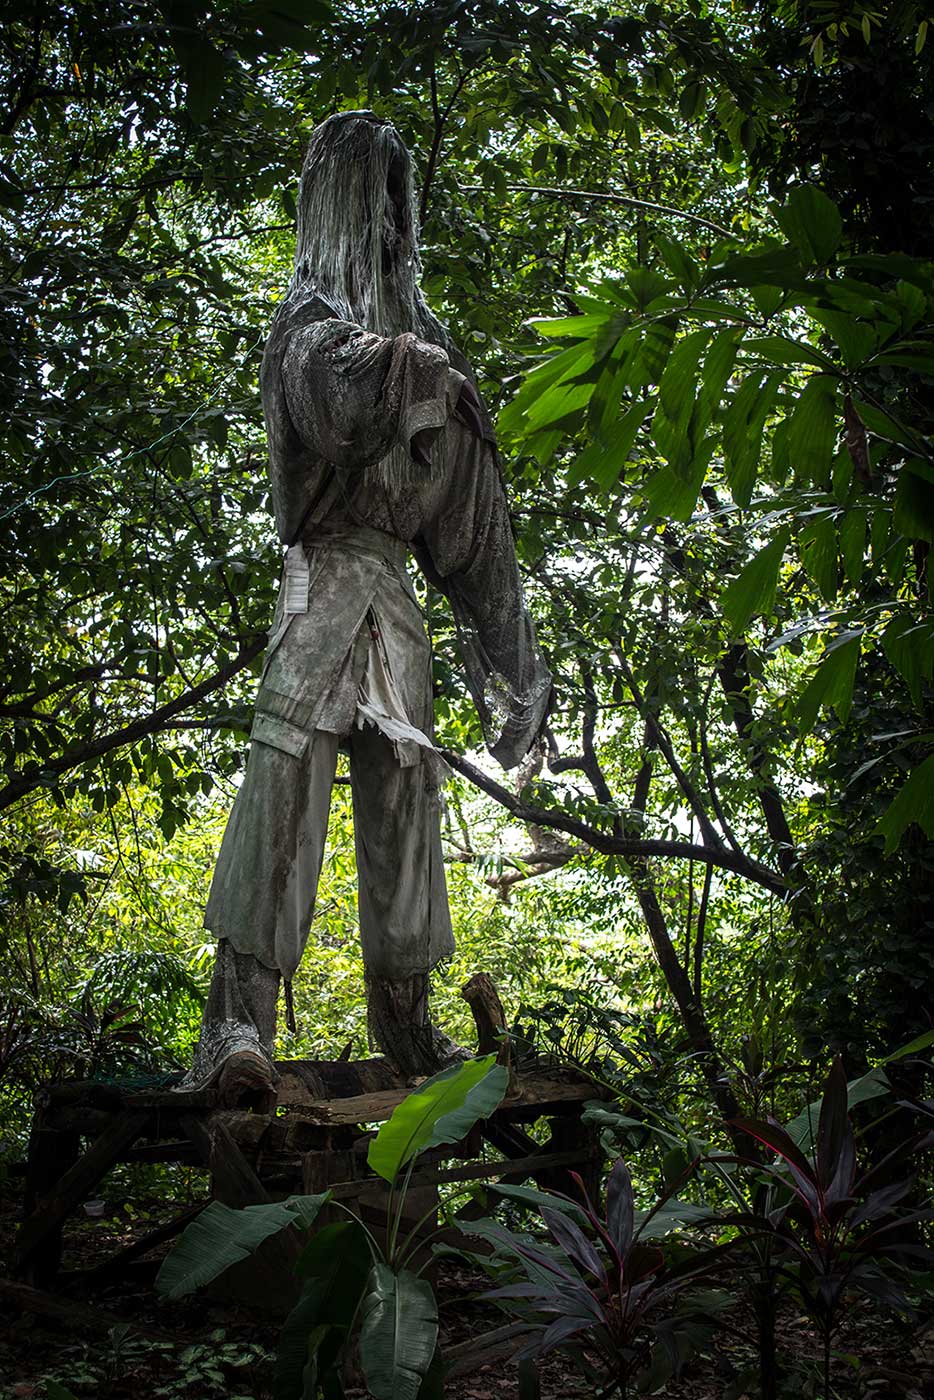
x=348, y=655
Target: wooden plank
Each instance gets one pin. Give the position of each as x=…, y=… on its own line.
x=52, y=1209
x=235, y=1181
x=118, y=1262
x=471, y=1171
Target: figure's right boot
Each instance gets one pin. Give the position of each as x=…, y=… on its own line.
x=234, y=1054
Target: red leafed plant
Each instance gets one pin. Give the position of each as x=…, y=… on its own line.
x=838, y=1230
x=613, y=1302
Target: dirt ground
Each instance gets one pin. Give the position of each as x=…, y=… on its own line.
x=201, y=1350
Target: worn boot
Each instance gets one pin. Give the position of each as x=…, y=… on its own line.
x=399, y=1025
x=235, y=1049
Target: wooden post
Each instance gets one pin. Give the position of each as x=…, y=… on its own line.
x=45, y=1222
x=489, y=1017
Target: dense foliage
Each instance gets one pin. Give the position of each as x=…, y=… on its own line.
x=686, y=248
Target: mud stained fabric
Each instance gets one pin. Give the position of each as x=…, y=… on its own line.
x=342, y=407
x=262, y=900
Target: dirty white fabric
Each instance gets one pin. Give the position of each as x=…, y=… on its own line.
x=368, y=461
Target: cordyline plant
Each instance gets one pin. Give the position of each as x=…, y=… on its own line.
x=834, y=1229
x=603, y=1293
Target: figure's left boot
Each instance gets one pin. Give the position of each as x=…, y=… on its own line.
x=399, y=1025
x=234, y=1054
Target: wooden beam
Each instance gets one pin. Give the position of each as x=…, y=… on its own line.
x=235, y=1181
x=52, y=1209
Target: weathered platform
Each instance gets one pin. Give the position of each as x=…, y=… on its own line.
x=315, y=1138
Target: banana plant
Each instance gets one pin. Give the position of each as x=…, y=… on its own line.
x=351, y=1282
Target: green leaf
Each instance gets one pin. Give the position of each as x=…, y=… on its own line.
x=221, y=1237
x=857, y=339
x=812, y=433
x=606, y=457
x=914, y=507
x=335, y=1266
x=781, y=350
x=753, y=592
x=673, y=495
x=803, y=1129
x=853, y=545
x=817, y=550
x=54, y=1391
x=909, y=647
x=441, y=1110
x=832, y=683
x=399, y=1333
x=812, y=223
x=921, y=1042
x=679, y=262
x=743, y=426
x=913, y=803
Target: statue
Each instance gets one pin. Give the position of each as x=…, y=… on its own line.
x=379, y=445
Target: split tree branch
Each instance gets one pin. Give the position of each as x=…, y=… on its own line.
x=628, y=847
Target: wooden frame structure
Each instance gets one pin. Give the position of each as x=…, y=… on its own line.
x=314, y=1138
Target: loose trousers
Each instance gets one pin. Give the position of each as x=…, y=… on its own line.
x=404, y=918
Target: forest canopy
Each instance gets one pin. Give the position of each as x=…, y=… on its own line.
x=686, y=249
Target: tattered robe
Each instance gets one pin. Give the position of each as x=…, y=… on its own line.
x=348, y=660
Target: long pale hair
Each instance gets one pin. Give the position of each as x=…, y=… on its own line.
x=356, y=247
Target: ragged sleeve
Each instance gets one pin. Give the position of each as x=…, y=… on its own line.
x=353, y=396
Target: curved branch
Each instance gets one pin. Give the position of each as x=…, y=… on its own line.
x=24, y=783
x=612, y=198
x=720, y=858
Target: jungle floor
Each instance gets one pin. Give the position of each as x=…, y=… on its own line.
x=199, y=1350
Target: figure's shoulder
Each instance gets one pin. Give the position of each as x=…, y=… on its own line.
x=293, y=315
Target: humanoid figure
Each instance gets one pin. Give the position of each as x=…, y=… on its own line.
x=378, y=445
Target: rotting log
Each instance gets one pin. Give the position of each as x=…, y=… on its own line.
x=64, y=1312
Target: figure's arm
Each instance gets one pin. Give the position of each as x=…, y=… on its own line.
x=353, y=395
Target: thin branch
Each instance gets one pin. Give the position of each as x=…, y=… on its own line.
x=611, y=198
x=161, y=718
x=717, y=856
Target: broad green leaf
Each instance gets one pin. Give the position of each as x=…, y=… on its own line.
x=817, y=550
x=677, y=387
x=441, y=1110
x=909, y=646
x=812, y=433
x=221, y=1237
x=679, y=262
x=914, y=507
x=914, y=1047
x=605, y=459
x=672, y=495
x=743, y=426
x=335, y=1266
x=783, y=351
x=831, y=686
x=812, y=223
x=398, y=1334
x=803, y=1129
x=853, y=545
x=857, y=339
x=753, y=591
x=649, y=361
x=718, y=365
x=914, y=802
